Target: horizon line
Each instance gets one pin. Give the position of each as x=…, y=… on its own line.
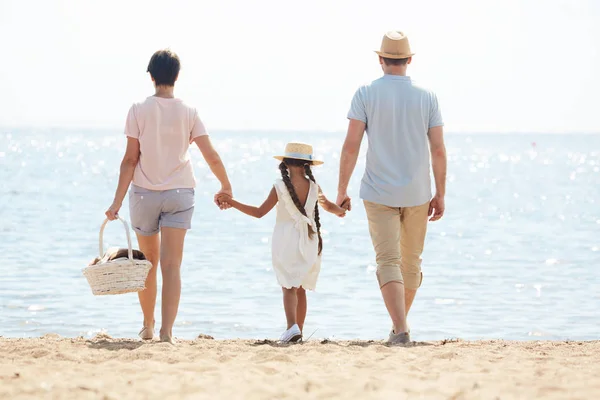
x=271, y=131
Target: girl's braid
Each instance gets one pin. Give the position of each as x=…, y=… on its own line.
x=310, y=175
x=288, y=184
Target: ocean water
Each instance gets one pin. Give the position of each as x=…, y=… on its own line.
x=515, y=257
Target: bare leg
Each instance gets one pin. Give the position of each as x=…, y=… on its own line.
x=409, y=297
x=171, y=256
x=301, y=308
x=393, y=296
x=290, y=305
x=150, y=246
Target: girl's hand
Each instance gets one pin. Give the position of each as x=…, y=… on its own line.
x=336, y=209
x=339, y=211
x=113, y=211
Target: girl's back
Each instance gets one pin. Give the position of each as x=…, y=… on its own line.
x=296, y=259
x=287, y=205
x=302, y=188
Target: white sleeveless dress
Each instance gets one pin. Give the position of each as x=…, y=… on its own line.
x=296, y=259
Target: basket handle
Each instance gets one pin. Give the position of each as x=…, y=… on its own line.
x=101, y=238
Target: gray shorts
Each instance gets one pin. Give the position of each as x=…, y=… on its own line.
x=151, y=210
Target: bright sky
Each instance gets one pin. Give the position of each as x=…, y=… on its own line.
x=509, y=65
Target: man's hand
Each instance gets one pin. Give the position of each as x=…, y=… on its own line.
x=438, y=164
x=344, y=201
x=113, y=211
x=437, y=207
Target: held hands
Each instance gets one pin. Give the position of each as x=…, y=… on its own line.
x=344, y=201
x=343, y=204
x=221, y=198
x=222, y=201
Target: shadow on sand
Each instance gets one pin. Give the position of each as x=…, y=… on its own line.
x=327, y=342
x=111, y=345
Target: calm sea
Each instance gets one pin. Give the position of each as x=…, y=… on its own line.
x=516, y=256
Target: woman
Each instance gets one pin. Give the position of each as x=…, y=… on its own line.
x=159, y=132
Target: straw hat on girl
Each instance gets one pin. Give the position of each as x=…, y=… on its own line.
x=395, y=45
x=299, y=151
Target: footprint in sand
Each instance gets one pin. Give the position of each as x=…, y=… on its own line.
x=267, y=370
x=39, y=353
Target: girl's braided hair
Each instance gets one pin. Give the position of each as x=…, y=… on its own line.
x=283, y=167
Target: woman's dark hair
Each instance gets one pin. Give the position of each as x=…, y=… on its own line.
x=283, y=167
x=164, y=67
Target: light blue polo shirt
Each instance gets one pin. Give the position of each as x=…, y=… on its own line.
x=398, y=114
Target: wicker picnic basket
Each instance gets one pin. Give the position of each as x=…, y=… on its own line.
x=117, y=276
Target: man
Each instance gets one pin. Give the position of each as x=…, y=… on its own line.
x=404, y=127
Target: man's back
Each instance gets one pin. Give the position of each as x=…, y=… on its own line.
x=398, y=115
x=404, y=126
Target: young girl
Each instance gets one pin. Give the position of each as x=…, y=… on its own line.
x=297, y=243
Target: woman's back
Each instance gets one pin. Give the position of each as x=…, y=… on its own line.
x=165, y=127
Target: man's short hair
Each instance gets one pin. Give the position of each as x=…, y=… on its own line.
x=164, y=67
x=395, y=61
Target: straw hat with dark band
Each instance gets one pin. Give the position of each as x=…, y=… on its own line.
x=395, y=45
x=299, y=151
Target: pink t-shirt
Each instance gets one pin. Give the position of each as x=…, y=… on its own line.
x=165, y=129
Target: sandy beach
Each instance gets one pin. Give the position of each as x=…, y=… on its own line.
x=106, y=368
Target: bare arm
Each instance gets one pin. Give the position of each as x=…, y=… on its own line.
x=256, y=212
x=330, y=206
x=356, y=131
x=439, y=165
x=130, y=161
x=214, y=162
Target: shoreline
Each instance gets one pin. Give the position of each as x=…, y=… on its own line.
x=109, y=368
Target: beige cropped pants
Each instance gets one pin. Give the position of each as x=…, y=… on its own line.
x=398, y=235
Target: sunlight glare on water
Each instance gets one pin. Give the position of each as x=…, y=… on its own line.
x=515, y=257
